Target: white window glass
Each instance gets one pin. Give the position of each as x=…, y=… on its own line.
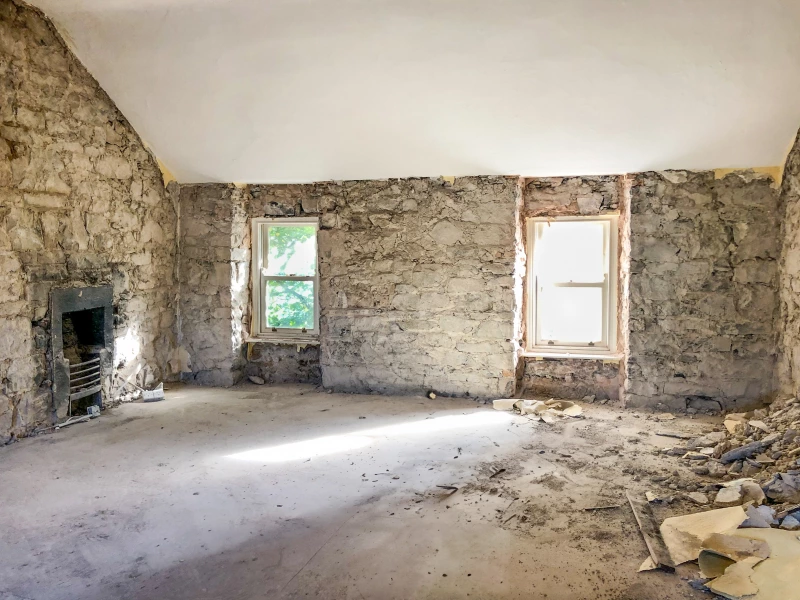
x=572, y=314
x=572, y=284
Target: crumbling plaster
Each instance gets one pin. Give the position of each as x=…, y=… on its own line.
x=82, y=203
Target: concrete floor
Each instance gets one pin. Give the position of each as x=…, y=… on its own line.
x=284, y=492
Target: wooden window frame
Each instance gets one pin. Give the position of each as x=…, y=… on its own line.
x=259, y=252
x=535, y=345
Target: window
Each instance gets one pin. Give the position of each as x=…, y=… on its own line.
x=572, y=285
x=285, y=278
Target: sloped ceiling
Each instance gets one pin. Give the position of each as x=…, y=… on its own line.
x=306, y=90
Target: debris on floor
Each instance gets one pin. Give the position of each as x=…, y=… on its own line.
x=684, y=535
x=91, y=413
x=154, y=395
x=748, y=546
x=548, y=411
x=659, y=554
x=504, y=403
x=256, y=379
x=756, y=577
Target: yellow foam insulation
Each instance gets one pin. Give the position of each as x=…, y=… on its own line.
x=776, y=173
x=166, y=174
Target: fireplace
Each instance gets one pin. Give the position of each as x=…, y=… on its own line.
x=83, y=348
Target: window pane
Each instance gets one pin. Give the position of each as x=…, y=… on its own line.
x=290, y=304
x=292, y=250
x=571, y=315
x=570, y=251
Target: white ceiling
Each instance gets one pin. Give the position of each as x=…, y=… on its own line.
x=306, y=90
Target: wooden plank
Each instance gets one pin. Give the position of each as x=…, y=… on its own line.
x=652, y=537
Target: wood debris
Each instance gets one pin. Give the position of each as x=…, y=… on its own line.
x=652, y=538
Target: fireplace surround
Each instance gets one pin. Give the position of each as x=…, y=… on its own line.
x=82, y=341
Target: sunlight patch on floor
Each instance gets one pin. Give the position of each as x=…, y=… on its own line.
x=331, y=444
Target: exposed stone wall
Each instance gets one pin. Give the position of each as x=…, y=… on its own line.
x=571, y=196
x=418, y=286
x=284, y=363
x=572, y=378
x=703, y=290
x=82, y=203
x=214, y=274
x=789, y=366
x=416, y=283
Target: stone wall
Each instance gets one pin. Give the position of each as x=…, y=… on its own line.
x=82, y=203
x=703, y=290
x=284, y=363
x=416, y=283
x=571, y=196
x=214, y=274
x=418, y=277
x=572, y=378
x=789, y=366
x=418, y=286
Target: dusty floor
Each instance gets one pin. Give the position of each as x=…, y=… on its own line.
x=151, y=502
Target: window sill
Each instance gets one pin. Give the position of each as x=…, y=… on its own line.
x=285, y=340
x=607, y=356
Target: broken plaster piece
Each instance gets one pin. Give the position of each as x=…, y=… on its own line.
x=573, y=411
x=733, y=425
x=721, y=550
x=529, y=407
x=729, y=496
x=684, y=535
x=776, y=577
x=737, y=582
x=549, y=416
x=504, y=404
x=648, y=564
x=697, y=497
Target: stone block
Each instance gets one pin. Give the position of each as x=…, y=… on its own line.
x=446, y=233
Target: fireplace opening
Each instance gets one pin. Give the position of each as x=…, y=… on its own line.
x=83, y=334
x=83, y=338
x=83, y=347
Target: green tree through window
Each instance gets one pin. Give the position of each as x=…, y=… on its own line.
x=291, y=252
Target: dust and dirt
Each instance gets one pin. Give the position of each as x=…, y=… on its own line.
x=566, y=490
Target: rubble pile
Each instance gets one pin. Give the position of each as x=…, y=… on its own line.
x=752, y=469
x=762, y=445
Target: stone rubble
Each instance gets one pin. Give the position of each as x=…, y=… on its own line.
x=754, y=459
